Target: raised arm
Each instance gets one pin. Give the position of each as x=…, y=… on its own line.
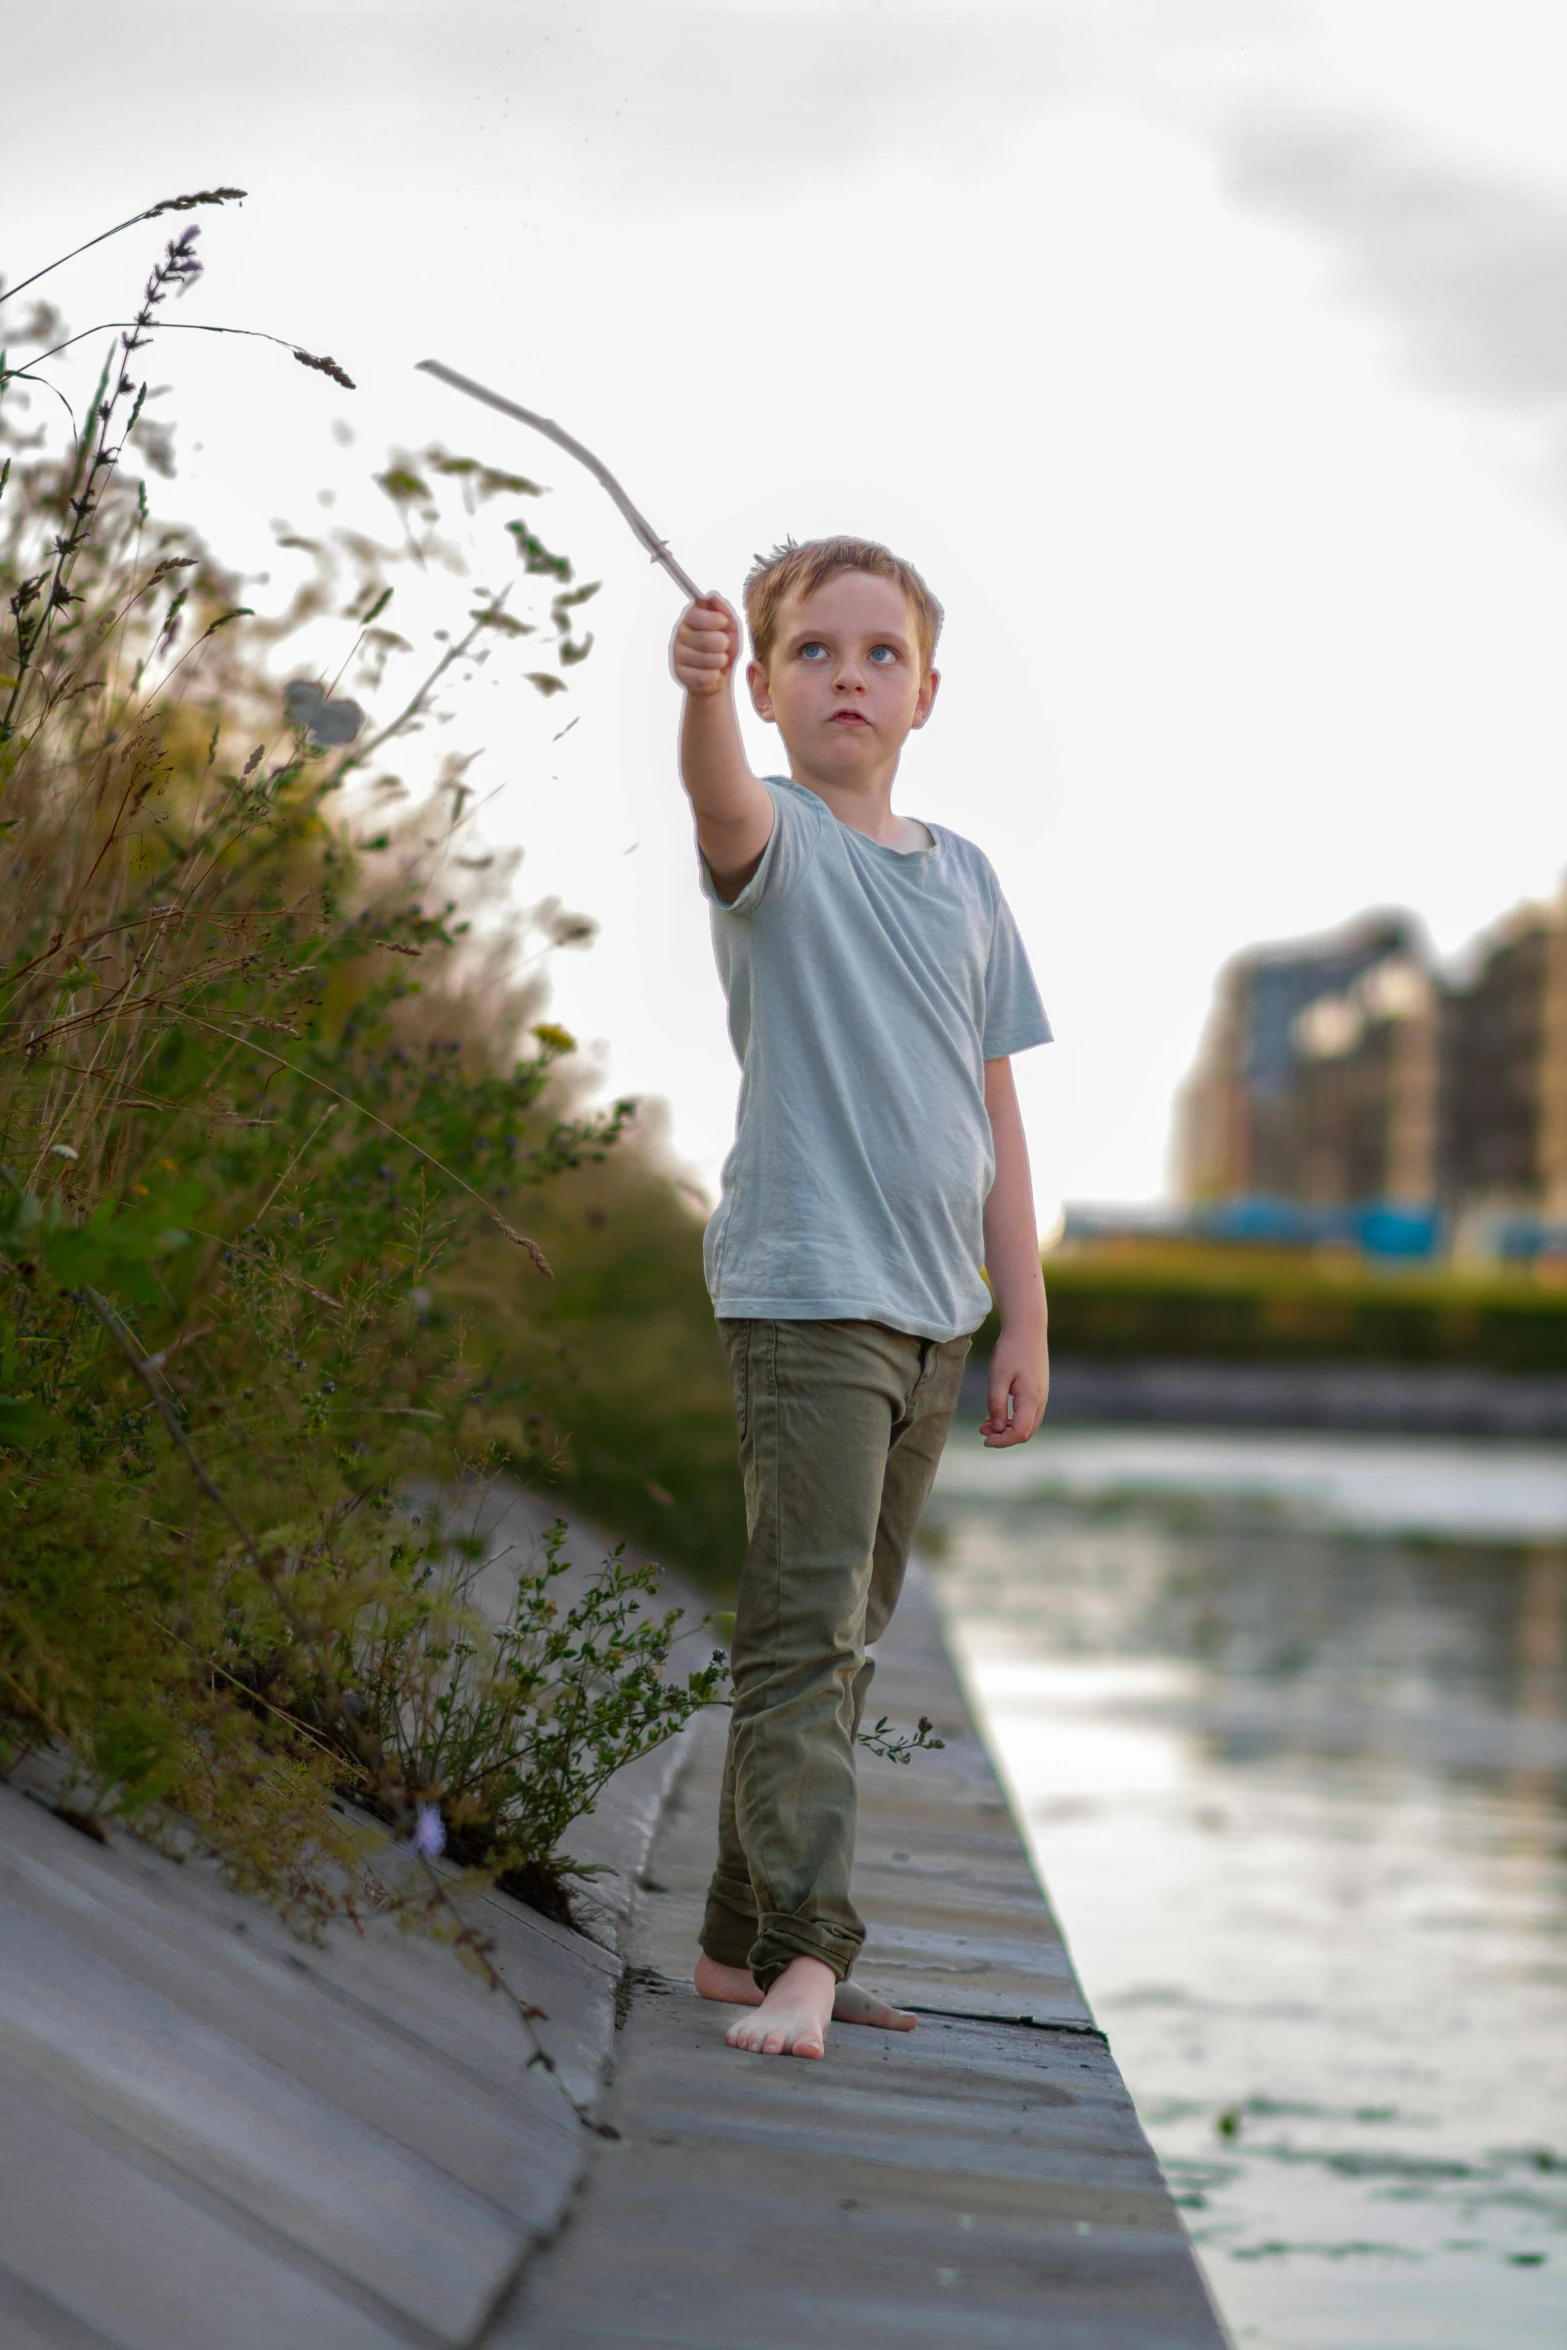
x=734, y=813
x=1020, y=1364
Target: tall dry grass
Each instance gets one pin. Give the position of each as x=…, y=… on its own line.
x=265, y=1106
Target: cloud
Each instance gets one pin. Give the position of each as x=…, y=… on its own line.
x=679, y=104
x=704, y=101
x=1469, y=266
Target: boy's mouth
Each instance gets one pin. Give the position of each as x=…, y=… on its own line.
x=848, y=718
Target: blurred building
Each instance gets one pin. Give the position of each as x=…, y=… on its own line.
x=1348, y=1072
x=1318, y=1077
x=1504, y=1138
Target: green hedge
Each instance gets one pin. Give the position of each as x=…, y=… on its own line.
x=1255, y=1308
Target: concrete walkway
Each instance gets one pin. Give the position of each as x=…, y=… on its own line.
x=982, y=2181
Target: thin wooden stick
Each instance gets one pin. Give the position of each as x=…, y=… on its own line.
x=644, y=530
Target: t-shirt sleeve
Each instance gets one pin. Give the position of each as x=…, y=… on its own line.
x=1014, y=1016
x=790, y=847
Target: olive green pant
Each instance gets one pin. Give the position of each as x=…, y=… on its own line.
x=841, y=1426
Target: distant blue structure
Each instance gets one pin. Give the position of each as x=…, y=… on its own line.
x=1377, y=1228
x=1524, y=1240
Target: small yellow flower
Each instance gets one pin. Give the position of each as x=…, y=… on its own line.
x=557, y=1039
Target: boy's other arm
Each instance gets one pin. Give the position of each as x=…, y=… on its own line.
x=734, y=813
x=1020, y=1365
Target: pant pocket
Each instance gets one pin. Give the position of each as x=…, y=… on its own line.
x=737, y=1339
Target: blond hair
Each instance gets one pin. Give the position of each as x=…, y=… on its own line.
x=792, y=570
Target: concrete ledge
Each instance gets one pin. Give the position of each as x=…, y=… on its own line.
x=1393, y=1398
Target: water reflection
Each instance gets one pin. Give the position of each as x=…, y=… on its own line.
x=1299, y=1789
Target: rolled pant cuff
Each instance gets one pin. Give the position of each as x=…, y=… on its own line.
x=729, y=1923
x=783, y=1938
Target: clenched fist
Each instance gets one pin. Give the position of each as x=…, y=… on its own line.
x=706, y=646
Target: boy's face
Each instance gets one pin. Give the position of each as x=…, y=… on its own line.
x=843, y=683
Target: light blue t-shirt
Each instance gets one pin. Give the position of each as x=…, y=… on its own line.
x=867, y=989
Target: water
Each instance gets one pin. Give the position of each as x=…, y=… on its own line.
x=1285, y=1720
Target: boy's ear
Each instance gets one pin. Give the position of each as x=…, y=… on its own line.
x=761, y=692
x=926, y=698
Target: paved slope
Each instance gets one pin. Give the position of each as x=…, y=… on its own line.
x=216, y=2137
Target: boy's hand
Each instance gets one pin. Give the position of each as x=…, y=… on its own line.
x=706, y=646
x=1019, y=1377
x=734, y=812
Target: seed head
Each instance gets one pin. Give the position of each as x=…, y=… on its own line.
x=327, y=367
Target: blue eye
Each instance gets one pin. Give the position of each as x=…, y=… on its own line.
x=815, y=650
x=882, y=654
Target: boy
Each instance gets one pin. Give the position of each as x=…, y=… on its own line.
x=877, y=987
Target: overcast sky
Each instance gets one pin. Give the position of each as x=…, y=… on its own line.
x=1210, y=359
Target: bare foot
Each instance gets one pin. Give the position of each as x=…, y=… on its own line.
x=793, y=2017
x=852, y=2003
